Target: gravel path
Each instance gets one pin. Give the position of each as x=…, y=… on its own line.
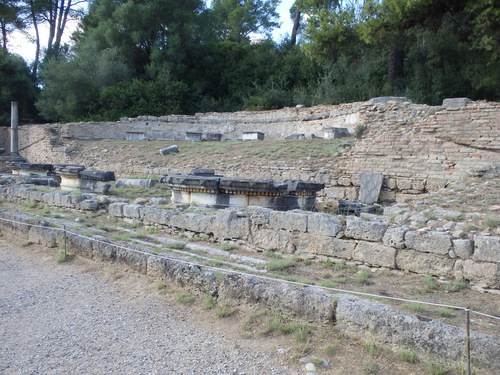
x=62, y=319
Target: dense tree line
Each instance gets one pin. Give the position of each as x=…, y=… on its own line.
x=132, y=57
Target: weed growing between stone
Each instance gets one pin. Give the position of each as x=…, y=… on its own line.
x=160, y=285
x=208, y=302
x=371, y=349
x=437, y=368
x=61, y=257
x=414, y=307
x=185, y=298
x=407, y=356
x=223, y=311
x=281, y=264
x=363, y=276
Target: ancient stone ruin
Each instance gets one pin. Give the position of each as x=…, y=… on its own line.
x=203, y=187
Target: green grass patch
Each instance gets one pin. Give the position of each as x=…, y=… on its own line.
x=371, y=368
x=363, y=276
x=407, y=356
x=445, y=312
x=176, y=245
x=414, y=307
x=456, y=285
x=25, y=244
x=273, y=255
x=160, y=285
x=437, y=368
x=430, y=283
x=185, y=298
x=371, y=349
x=491, y=221
x=224, y=311
x=227, y=246
x=330, y=350
x=208, y=302
x=61, y=257
x=281, y=264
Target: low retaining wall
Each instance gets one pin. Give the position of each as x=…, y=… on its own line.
x=356, y=317
x=310, y=235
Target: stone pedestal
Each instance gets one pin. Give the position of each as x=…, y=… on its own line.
x=69, y=175
x=210, y=190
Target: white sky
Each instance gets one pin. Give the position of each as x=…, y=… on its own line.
x=22, y=44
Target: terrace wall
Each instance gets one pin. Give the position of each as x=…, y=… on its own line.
x=418, y=148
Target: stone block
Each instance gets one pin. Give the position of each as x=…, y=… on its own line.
x=185, y=275
x=228, y=225
x=485, y=275
x=395, y=237
x=134, y=258
x=88, y=205
x=290, y=221
x=331, y=247
x=487, y=249
x=323, y=224
x=370, y=185
x=135, y=182
x=335, y=192
x=44, y=236
x=463, y=248
x=259, y=216
x=193, y=222
x=104, y=250
x=365, y=230
x=133, y=211
x=403, y=184
x=431, y=242
x=308, y=303
x=156, y=215
x=380, y=324
x=424, y=263
x=76, y=244
x=375, y=254
x=265, y=239
x=116, y=209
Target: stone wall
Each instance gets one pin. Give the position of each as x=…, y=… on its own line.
x=309, y=236
x=418, y=148
x=355, y=317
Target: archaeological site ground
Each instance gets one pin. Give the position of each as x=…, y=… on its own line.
x=417, y=236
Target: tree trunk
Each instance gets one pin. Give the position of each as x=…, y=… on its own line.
x=296, y=25
x=396, y=65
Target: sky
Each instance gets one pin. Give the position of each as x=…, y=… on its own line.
x=22, y=44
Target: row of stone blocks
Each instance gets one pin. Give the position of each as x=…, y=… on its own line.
x=312, y=235
x=351, y=315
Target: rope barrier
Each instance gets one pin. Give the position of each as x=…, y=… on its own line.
x=226, y=271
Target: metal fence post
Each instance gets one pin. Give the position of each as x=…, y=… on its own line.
x=64, y=227
x=468, y=341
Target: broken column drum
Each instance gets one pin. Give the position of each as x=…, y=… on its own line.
x=220, y=192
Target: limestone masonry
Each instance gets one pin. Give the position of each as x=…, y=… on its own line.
x=418, y=148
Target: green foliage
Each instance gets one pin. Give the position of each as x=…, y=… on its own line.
x=144, y=57
x=437, y=368
x=407, y=356
x=281, y=264
x=61, y=257
x=223, y=311
x=17, y=85
x=185, y=298
x=414, y=307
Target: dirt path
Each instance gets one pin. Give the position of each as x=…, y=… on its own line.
x=72, y=318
